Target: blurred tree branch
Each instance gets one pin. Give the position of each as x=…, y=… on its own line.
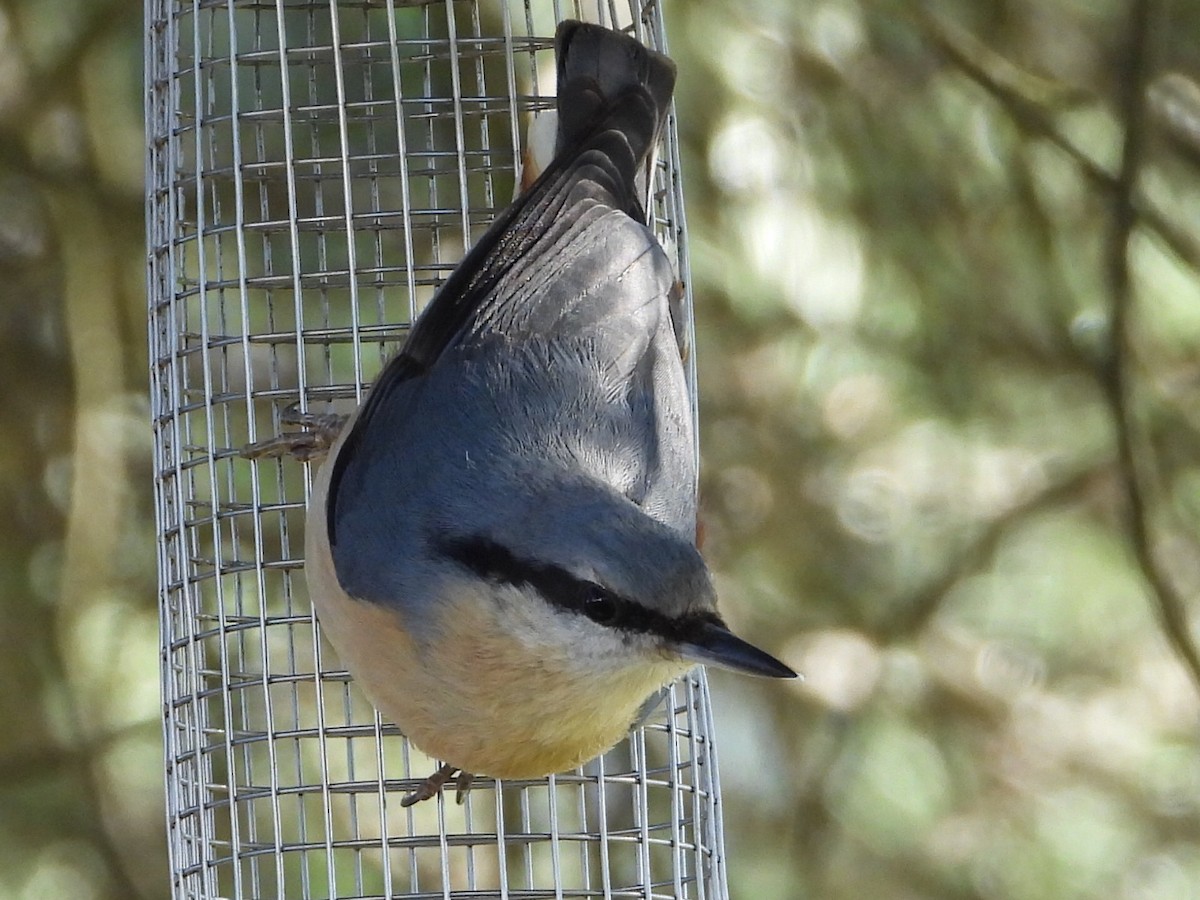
x=99, y=490
x=1034, y=114
x=1116, y=374
x=44, y=761
x=93, y=23
x=17, y=159
x=1130, y=208
x=59, y=78
x=1031, y=114
x=1174, y=101
x=911, y=613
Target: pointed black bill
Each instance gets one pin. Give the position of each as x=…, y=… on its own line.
x=715, y=645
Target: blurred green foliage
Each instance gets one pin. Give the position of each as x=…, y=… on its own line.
x=918, y=472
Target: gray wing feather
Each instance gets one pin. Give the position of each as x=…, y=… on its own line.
x=552, y=340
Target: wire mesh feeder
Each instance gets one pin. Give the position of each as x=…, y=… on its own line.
x=315, y=171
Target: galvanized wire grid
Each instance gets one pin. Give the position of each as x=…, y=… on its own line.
x=315, y=170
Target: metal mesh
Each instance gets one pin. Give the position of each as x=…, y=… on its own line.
x=315, y=171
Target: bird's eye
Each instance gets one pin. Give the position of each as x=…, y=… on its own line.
x=600, y=606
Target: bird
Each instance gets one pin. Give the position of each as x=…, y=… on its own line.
x=501, y=540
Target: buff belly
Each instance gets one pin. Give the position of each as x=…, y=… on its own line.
x=476, y=698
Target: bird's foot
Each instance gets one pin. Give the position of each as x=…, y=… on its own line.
x=322, y=431
x=432, y=785
x=462, y=784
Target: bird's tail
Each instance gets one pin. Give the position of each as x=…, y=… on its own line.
x=610, y=86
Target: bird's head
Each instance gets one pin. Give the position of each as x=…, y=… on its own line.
x=582, y=568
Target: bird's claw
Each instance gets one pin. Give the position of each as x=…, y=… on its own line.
x=462, y=784
x=323, y=431
x=432, y=785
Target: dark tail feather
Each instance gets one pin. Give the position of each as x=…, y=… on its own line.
x=608, y=81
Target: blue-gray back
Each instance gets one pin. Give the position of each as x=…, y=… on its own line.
x=548, y=354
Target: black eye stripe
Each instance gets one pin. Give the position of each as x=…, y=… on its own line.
x=494, y=562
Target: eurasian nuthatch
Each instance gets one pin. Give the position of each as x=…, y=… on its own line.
x=502, y=542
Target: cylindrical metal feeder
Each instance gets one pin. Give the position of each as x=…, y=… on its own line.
x=315, y=171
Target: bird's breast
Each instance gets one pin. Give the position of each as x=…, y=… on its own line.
x=463, y=690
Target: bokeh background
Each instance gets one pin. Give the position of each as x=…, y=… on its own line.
x=946, y=258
